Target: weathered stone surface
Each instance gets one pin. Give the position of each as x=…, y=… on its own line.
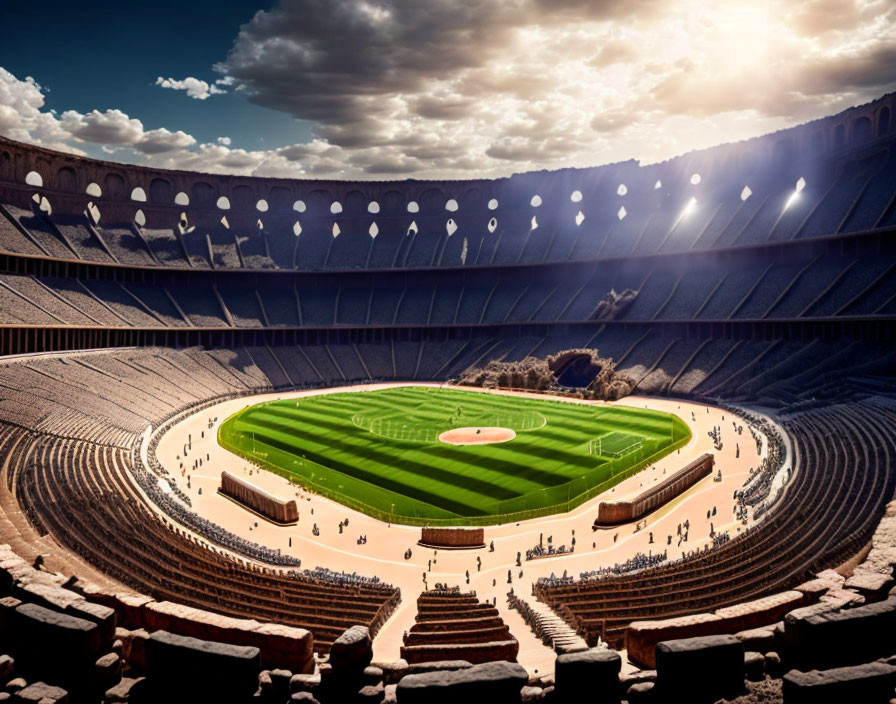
x=129, y=608
x=43, y=693
x=304, y=683
x=372, y=675
x=814, y=589
x=352, y=651
x=838, y=638
x=107, y=671
x=7, y=667
x=372, y=693
x=389, y=695
x=121, y=692
x=437, y=666
x=493, y=682
x=627, y=679
x=280, y=646
x=595, y=671
x=640, y=693
x=757, y=639
x=872, y=585
x=103, y=616
x=700, y=669
x=54, y=645
x=754, y=666
x=8, y=605
x=202, y=666
x=393, y=670
x=133, y=646
x=773, y=665
x=15, y=684
x=530, y=694
x=641, y=637
x=870, y=682
x=305, y=697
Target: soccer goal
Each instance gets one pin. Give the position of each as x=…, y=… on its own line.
x=615, y=445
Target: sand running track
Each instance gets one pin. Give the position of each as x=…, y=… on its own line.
x=383, y=553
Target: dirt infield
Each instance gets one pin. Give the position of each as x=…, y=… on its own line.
x=476, y=436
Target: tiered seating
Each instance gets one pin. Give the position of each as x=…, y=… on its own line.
x=452, y=625
x=844, y=477
x=82, y=494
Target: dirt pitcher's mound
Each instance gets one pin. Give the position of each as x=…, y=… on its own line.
x=476, y=436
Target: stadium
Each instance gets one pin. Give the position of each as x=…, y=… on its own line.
x=626, y=429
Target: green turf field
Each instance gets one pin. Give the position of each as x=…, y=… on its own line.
x=378, y=451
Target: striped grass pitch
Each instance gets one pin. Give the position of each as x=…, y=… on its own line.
x=378, y=451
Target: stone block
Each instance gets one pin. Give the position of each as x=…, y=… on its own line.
x=831, y=639
x=102, y=616
x=870, y=682
x=352, y=651
x=42, y=693
x=393, y=670
x=122, y=691
x=754, y=666
x=871, y=585
x=700, y=669
x=437, y=666
x=757, y=639
x=201, y=666
x=493, y=682
x=53, y=645
x=641, y=637
x=595, y=671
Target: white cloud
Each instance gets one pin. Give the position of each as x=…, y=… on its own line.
x=461, y=88
x=194, y=87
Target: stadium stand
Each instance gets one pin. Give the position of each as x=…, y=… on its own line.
x=773, y=287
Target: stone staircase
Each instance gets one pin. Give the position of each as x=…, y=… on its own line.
x=550, y=628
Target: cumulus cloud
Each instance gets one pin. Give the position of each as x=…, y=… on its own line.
x=194, y=87
x=460, y=88
x=517, y=84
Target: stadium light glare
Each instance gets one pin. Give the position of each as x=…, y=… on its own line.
x=689, y=208
x=794, y=197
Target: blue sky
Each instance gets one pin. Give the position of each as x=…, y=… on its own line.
x=385, y=89
x=102, y=55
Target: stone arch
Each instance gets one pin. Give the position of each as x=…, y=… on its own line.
x=160, y=191
x=355, y=203
x=242, y=198
x=202, y=195
x=6, y=168
x=113, y=186
x=279, y=198
x=883, y=122
x=432, y=201
x=318, y=202
x=392, y=203
x=66, y=179
x=471, y=200
x=862, y=130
